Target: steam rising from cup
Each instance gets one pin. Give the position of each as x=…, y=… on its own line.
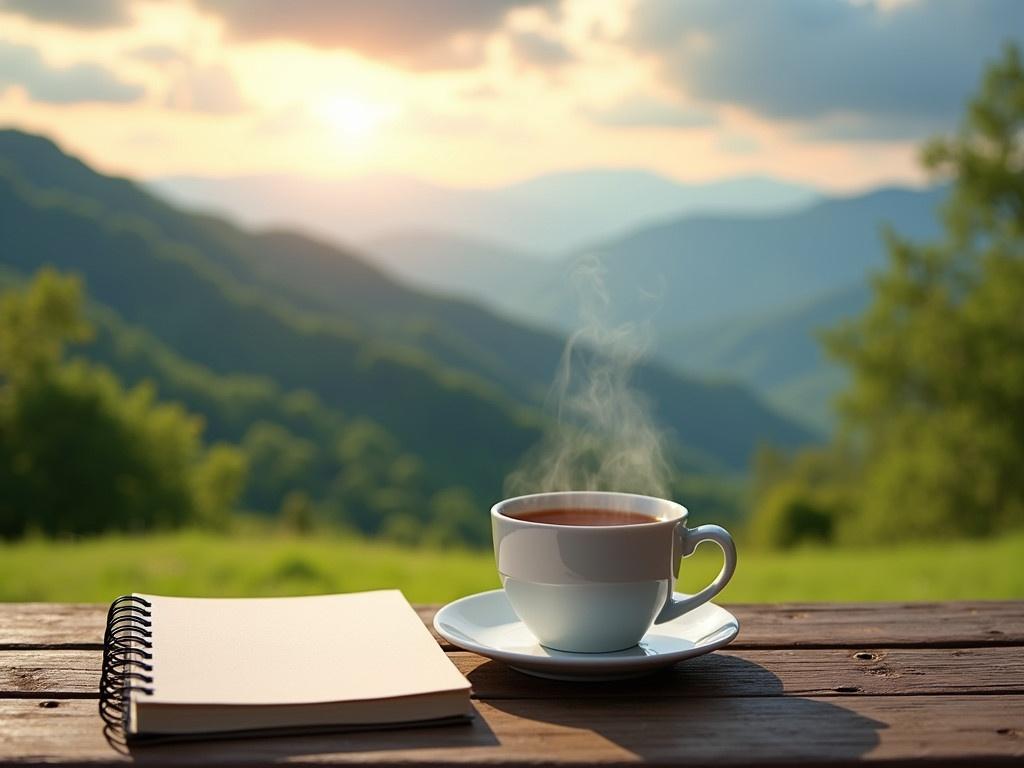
x=602, y=437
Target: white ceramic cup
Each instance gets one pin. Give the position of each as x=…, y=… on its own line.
x=593, y=589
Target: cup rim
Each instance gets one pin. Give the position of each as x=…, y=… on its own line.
x=680, y=516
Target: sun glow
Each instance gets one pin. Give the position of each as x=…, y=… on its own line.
x=354, y=118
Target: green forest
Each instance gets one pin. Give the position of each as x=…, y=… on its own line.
x=162, y=369
x=931, y=435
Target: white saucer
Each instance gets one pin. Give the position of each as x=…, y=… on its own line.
x=486, y=624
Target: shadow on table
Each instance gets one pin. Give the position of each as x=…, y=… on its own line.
x=264, y=748
x=718, y=707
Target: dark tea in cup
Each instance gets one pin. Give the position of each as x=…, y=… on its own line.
x=583, y=516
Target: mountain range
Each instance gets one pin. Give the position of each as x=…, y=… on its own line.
x=734, y=279
x=546, y=215
x=283, y=324
x=736, y=296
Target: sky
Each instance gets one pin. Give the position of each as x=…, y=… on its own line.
x=471, y=93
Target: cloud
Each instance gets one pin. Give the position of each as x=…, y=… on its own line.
x=157, y=54
x=84, y=82
x=412, y=34
x=866, y=128
x=210, y=89
x=738, y=144
x=88, y=14
x=644, y=112
x=895, y=65
x=537, y=50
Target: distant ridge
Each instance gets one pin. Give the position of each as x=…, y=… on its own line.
x=545, y=215
x=736, y=296
x=705, y=268
x=778, y=353
x=715, y=267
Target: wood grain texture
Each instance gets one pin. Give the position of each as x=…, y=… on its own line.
x=808, y=685
x=812, y=672
x=52, y=625
x=45, y=674
x=796, y=625
x=879, y=730
x=850, y=625
x=750, y=673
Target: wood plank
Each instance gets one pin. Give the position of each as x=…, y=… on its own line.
x=879, y=730
x=52, y=625
x=752, y=673
x=43, y=674
x=813, y=672
x=799, y=625
x=890, y=625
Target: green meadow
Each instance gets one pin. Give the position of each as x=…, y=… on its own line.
x=252, y=563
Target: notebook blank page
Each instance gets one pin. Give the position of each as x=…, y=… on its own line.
x=294, y=650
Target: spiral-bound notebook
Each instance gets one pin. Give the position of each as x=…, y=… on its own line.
x=193, y=667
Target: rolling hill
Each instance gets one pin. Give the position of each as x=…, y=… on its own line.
x=745, y=298
x=455, y=384
x=698, y=270
x=777, y=353
x=465, y=429
x=687, y=274
x=739, y=297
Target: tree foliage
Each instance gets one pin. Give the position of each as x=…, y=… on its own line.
x=78, y=452
x=803, y=499
x=933, y=420
x=81, y=453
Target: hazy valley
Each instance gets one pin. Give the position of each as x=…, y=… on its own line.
x=735, y=280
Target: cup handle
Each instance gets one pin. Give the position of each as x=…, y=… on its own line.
x=687, y=540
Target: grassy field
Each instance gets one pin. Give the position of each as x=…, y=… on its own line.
x=193, y=563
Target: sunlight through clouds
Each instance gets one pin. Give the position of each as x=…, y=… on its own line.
x=355, y=118
x=472, y=94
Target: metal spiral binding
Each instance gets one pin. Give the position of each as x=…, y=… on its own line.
x=127, y=652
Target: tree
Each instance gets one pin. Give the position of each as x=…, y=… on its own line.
x=78, y=452
x=458, y=518
x=297, y=514
x=807, y=498
x=217, y=483
x=280, y=463
x=936, y=406
x=36, y=326
x=376, y=481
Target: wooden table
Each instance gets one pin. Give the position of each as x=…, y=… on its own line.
x=815, y=684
